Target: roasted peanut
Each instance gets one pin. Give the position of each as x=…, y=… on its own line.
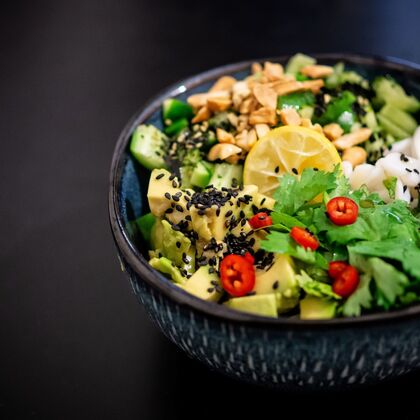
x=222, y=151
x=263, y=116
x=352, y=139
x=315, y=71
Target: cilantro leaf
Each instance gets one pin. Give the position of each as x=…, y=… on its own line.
x=403, y=251
x=361, y=298
x=282, y=243
x=293, y=192
x=286, y=220
x=390, y=184
x=315, y=288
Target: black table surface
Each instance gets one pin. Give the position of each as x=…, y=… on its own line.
x=75, y=343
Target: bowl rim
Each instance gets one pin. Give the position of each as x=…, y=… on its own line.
x=213, y=310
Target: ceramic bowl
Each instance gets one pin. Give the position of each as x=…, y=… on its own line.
x=287, y=353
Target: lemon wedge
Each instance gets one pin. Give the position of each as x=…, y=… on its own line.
x=287, y=149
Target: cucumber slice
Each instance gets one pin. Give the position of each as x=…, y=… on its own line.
x=392, y=129
x=200, y=176
x=174, y=109
x=148, y=145
x=400, y=118
x=224, y=175
x=297, y=62
x=176, y=127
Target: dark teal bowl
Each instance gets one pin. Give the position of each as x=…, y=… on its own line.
x=286, y=353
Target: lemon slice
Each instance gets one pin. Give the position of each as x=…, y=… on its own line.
x=288, y=149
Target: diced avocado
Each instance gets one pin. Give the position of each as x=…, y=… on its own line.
x=166, y=266
x=200, y=176
x=264, y=305
x=312, y=307
x=298, y=61
x=224, y=174
x=160, y=185
x=145, y=224
x=390, y=92
x=202, y=284
x=264, y=201
x=174, y=109
x=279, y=279
x=399, y=118
x=176, y=127
x=173, y=245
x=148, y=145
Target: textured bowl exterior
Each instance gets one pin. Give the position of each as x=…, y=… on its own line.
x=288, y=354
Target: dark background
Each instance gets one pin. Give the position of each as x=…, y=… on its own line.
x=75, y=343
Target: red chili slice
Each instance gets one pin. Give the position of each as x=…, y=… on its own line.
x=260, y=220
x=304, y=238
x=336, y=268
x=346, y=282
x=237, y=274
x=342, y=211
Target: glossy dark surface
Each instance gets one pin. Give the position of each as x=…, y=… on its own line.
x=74, y=341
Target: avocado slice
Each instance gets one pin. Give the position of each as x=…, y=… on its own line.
x=204, y=284
x=173, y=245
x=264, y=305
x=312, y=307
x=166, y=266
x=280, y=280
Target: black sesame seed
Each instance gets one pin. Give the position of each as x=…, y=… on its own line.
x=179, y=208
x=188, y=218
x=174, y=184
x=243, y=222
x=275, y=285
x=210, y=289
x=241, y=214
x=160, y=176
x=228, y=213
x=201, y=212
x=172, y=177
x=176, y=228
x=276, y=169
x=295, y=171
x=316, y=169
x=416, y=171
x=170, y=210
x=178, y=244
x=404, y=188
x=408, y=170
x=262, y=201
x=218, y=212
x=175, y=198
x=167, y=195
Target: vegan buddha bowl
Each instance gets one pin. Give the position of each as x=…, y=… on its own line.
x=276, y=192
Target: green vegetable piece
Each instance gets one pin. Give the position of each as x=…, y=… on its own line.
x=165, y=266
x=390, y=184
x=148, y=145
x=226, y=175
x=263, y=305
x=315, y=288
x=397, y=122
x=221, y=120
x=145, y=224
x=369, y=119
x=176, y=127
x=200, y=176
x=293, y=193
x=340, y=110
x=296, y=100
x=282, y=243
x=174, y=109
x=390, y=92
x=301, y=78
x=298, y=61
x=341, y=76
x=312, y=307
x=286, y=220
x=360, y=298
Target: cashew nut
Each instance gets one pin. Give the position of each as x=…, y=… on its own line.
x=355, y=155
x=224, y=137
x=289, y=116
x=333, y=131
x=222, y=151
x=315, y=71
x=352, y=139
x=263, y=115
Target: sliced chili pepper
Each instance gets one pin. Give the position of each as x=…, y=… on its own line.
x=237, y=274
x=335, y=268
x=346, y=282
x=342, y=211
x=304, y=238
x=260, y=220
